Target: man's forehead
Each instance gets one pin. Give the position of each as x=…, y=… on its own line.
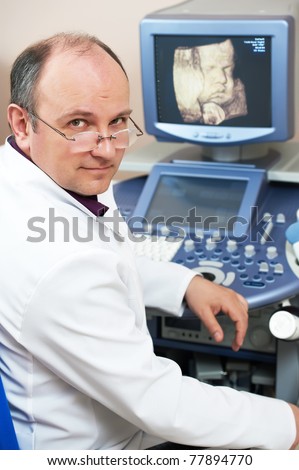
x=71, y=80
x=72, y=56
x=74, y=66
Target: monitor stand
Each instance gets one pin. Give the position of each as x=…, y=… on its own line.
x=237, y=153
x=280, y=159
x=259, y=156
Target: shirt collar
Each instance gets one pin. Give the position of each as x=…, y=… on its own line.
x=90, y=202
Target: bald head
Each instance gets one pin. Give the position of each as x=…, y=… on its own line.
x=28, y=66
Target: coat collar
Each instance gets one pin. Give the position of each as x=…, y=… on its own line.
x=90, y=202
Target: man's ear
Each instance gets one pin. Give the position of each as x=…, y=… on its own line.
x=19, y=123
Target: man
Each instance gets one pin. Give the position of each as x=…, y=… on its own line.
x=76, y=356
x=205, y=88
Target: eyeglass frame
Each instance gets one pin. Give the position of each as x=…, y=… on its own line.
x=100, y=137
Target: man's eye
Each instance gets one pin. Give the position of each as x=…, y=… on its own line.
x=119, y=121
x=77, y=123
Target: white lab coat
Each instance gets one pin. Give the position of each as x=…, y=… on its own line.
x=76, y=356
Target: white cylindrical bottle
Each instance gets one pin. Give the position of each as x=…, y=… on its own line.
x=284, y=324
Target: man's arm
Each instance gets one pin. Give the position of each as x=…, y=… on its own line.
x=85, y=323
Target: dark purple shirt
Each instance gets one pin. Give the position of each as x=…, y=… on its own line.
x=90, y=202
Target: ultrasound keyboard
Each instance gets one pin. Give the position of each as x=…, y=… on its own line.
x=264, y=268
x=157, y=248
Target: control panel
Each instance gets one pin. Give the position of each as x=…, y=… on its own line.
x=261, y=264
x=264, y=272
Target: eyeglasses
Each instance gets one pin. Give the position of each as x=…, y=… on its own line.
x=87, y=141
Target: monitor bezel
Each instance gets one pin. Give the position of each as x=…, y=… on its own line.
x=254, y=178
x=281, y=31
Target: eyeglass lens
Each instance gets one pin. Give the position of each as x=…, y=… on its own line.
x=91, y=140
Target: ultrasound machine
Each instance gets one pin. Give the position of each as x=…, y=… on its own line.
x=225, y=203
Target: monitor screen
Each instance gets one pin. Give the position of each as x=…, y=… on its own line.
x=213, y=80
x=214, y=201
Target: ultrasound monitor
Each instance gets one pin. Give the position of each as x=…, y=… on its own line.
x=220, y=73
x=190, y=199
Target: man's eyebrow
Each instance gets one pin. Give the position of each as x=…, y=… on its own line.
x=69, y=115
x=81, y=112
x=124, y=113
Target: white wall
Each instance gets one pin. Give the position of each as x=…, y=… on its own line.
x=115, y=22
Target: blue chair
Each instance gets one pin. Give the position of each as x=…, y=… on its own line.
x=8, y=439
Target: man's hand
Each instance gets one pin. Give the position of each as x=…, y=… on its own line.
x=295, y=410
x=206, y=300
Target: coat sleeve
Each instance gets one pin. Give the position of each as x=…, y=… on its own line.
x=85, y=324
x=164, y=284
x=158, y=278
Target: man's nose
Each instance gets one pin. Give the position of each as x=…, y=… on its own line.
x=105, y=147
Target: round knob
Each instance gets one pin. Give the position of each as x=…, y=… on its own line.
x=249, y=251
x=260, y=337
x=231, y=246
x=199, y=233
x=271, y=252
x=216, y=235
x=210, y=244
x=189, y=244
x=280, y=218
x=267, y=217
x=284, y=325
